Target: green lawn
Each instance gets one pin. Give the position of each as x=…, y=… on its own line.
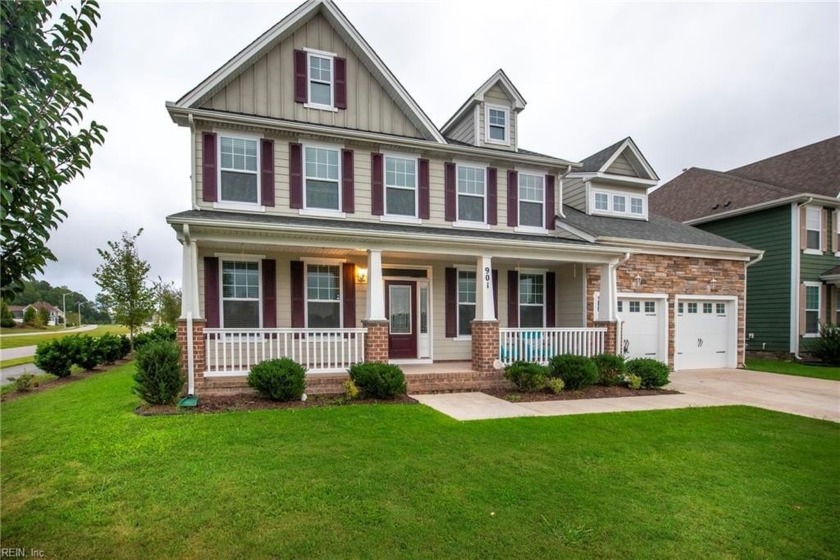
x=23, y=330
x=33, y=340
x=83, y=476
x=793, y=368
x=16, y=361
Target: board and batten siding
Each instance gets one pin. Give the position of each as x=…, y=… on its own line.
x=768, y=281
x=464, y=130
x=574, y=193
x=267, y=88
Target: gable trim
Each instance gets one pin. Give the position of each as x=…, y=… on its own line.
x=629, y=144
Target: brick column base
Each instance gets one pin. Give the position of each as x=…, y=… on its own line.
x=485, y=345
x=376, y=341
x=198, y=348
x=609, y=340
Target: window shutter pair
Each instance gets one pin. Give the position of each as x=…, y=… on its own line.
x=210, y=170
x=301, y=71
x=451, y=299
x=212, y=299
x=348, y=195
x=450, y=188
x=377, y=186
x=549, y=299
x=298, y=282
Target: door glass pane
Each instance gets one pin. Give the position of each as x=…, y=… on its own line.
x=399, y=300
x=424, y=310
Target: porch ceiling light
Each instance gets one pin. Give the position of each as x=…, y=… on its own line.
x=361, y=275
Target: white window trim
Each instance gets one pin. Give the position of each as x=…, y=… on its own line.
x=400, y=218
x=506, y=111
x=628, y=204
x=307, y=262
x=469, y=223
x=323, y=212
x=223, y=258
x=819, y=230
x=458, y=271
x=836, y=232
x=221, y=203
x=320, y=106
x=519, y=303
x=819, y=310
x=520, y=227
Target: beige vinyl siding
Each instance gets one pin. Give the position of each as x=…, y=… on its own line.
x=464, y=130
x=497, y=96
x=267, y=88
x=571, y=293
x=574, y=193
x=622, y=166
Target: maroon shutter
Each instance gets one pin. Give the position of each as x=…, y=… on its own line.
x=349, y=295
x=211, y=292
x=423, y=176
x=513, y=299
x=451, y=302
x=492, y=196
x=269, y=293
x=550, y=292
x=549, y=202
x=340, y=83
x=295, y=176
x=376, y=194
x=449, y=192
x=301, y=74
x=513, y=199
x=496, y=292
x=267, y=174
x=348, y=189
x=208, y=168
x=298, y=300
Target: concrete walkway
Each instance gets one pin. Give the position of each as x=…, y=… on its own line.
x=815, y=398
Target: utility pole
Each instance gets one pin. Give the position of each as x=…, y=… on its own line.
x=64, y=307
x=80, y=313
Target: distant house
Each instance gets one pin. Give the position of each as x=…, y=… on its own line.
x=17, y=312
x=56, y=315
x=786, y=205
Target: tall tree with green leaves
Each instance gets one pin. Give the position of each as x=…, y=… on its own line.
x=168, y=302
x=44, y=143
x=122, y=277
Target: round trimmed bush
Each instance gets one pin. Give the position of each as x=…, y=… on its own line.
x=110, y=348
x=377, y=380
x=527, y=376
x=125, y=346
x=282, y=379
x=610, y=369
x=55, y=357
x=85, y=351
x=653, y=373
x=158, y=333
x=577, y=372
x=158, y=379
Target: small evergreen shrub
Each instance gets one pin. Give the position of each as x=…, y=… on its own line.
x=158, y=378
x=24, y=382
x=555, y=385
x=577, y=372
x=377, y=380
x=158, y=333
x=282, y=379
x=350, y=390
x=610, y=369
x=55, y=357
x=633, y=381
x=653, y=373
x=110, y=348
x=125, y=346
x=84, y=350
x=7, y=320
x=30, y=317
x=43, y=316
x=527, y=376
x=827, y=347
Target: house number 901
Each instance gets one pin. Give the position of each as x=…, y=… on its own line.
x=487, y=275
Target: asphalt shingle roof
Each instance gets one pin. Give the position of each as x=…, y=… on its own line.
x=597, y=160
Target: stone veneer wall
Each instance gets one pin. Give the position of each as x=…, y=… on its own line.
x=676, y=276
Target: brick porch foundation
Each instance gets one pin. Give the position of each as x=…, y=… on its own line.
x=198, y=349
x=485, y=346
x=609, y=339
x=376, y=341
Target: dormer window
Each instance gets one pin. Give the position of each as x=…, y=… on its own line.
x=498, y=125
x=618, y=204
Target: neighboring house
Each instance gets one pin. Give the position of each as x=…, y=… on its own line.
x=788, y=206
x=17, y=313
x=333, y=222
x=56, y=316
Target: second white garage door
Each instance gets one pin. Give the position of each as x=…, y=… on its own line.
x=705, y=336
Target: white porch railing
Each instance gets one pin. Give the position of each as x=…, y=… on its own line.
x=231, y=352
x=540, y=345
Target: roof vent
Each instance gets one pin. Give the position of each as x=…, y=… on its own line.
x=716, y=206
x=728, y=202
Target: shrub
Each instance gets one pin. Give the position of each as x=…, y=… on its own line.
x=30, y=316
x=110, y=348
x=610, y=368
x=282, y=379
x=158, y=379
x=43, y=316
x=633, y=381
x=158, y=333
x=827, y=347
x=378, y=381
x=125, y=346
x=55, y=357
x=84, y=351
x=24, y=383
x=7, y=320
x=526, y=376
x=350, y=390
x=555, y=385
x=577, y=372
x=653, y=373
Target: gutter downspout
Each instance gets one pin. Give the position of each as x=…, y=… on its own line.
x=619, y=322
x=560, y=198
x=795, y=274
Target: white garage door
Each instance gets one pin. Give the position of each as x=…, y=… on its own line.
x=704, y=334
x=643, y=328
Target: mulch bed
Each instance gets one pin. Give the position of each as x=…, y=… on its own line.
x=593, y=392
x=61, y=381
x=245, y=402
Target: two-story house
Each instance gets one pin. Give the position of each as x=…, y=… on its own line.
x=788, y=206
x=333, y=222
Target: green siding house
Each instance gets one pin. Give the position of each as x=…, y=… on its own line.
x=787, y=206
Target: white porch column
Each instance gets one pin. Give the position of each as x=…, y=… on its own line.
x=609, y=299
x=484, y=310
x=376, y=287
x=186, y=279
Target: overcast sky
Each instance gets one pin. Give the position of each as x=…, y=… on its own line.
x=694, y=84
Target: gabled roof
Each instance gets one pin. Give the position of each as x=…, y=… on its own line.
x=44, y=305
x=600, y=161
x=498, y=77
x=286, y=27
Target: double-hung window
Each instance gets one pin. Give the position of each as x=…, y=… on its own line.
x=497, y=125
x=812, y=309
x=320, y=79
x=531, y=200
x=466, y=301
x=813, y=227
x=322, y=178
x=531, y=300
x=323, y=296
x=400, y=186
x=238, y=165
x=471, y=194
x=241, y=294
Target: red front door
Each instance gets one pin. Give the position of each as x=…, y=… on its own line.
x=401, y=306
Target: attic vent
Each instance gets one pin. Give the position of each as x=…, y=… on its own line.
x=728, y=202
x=716, y=206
